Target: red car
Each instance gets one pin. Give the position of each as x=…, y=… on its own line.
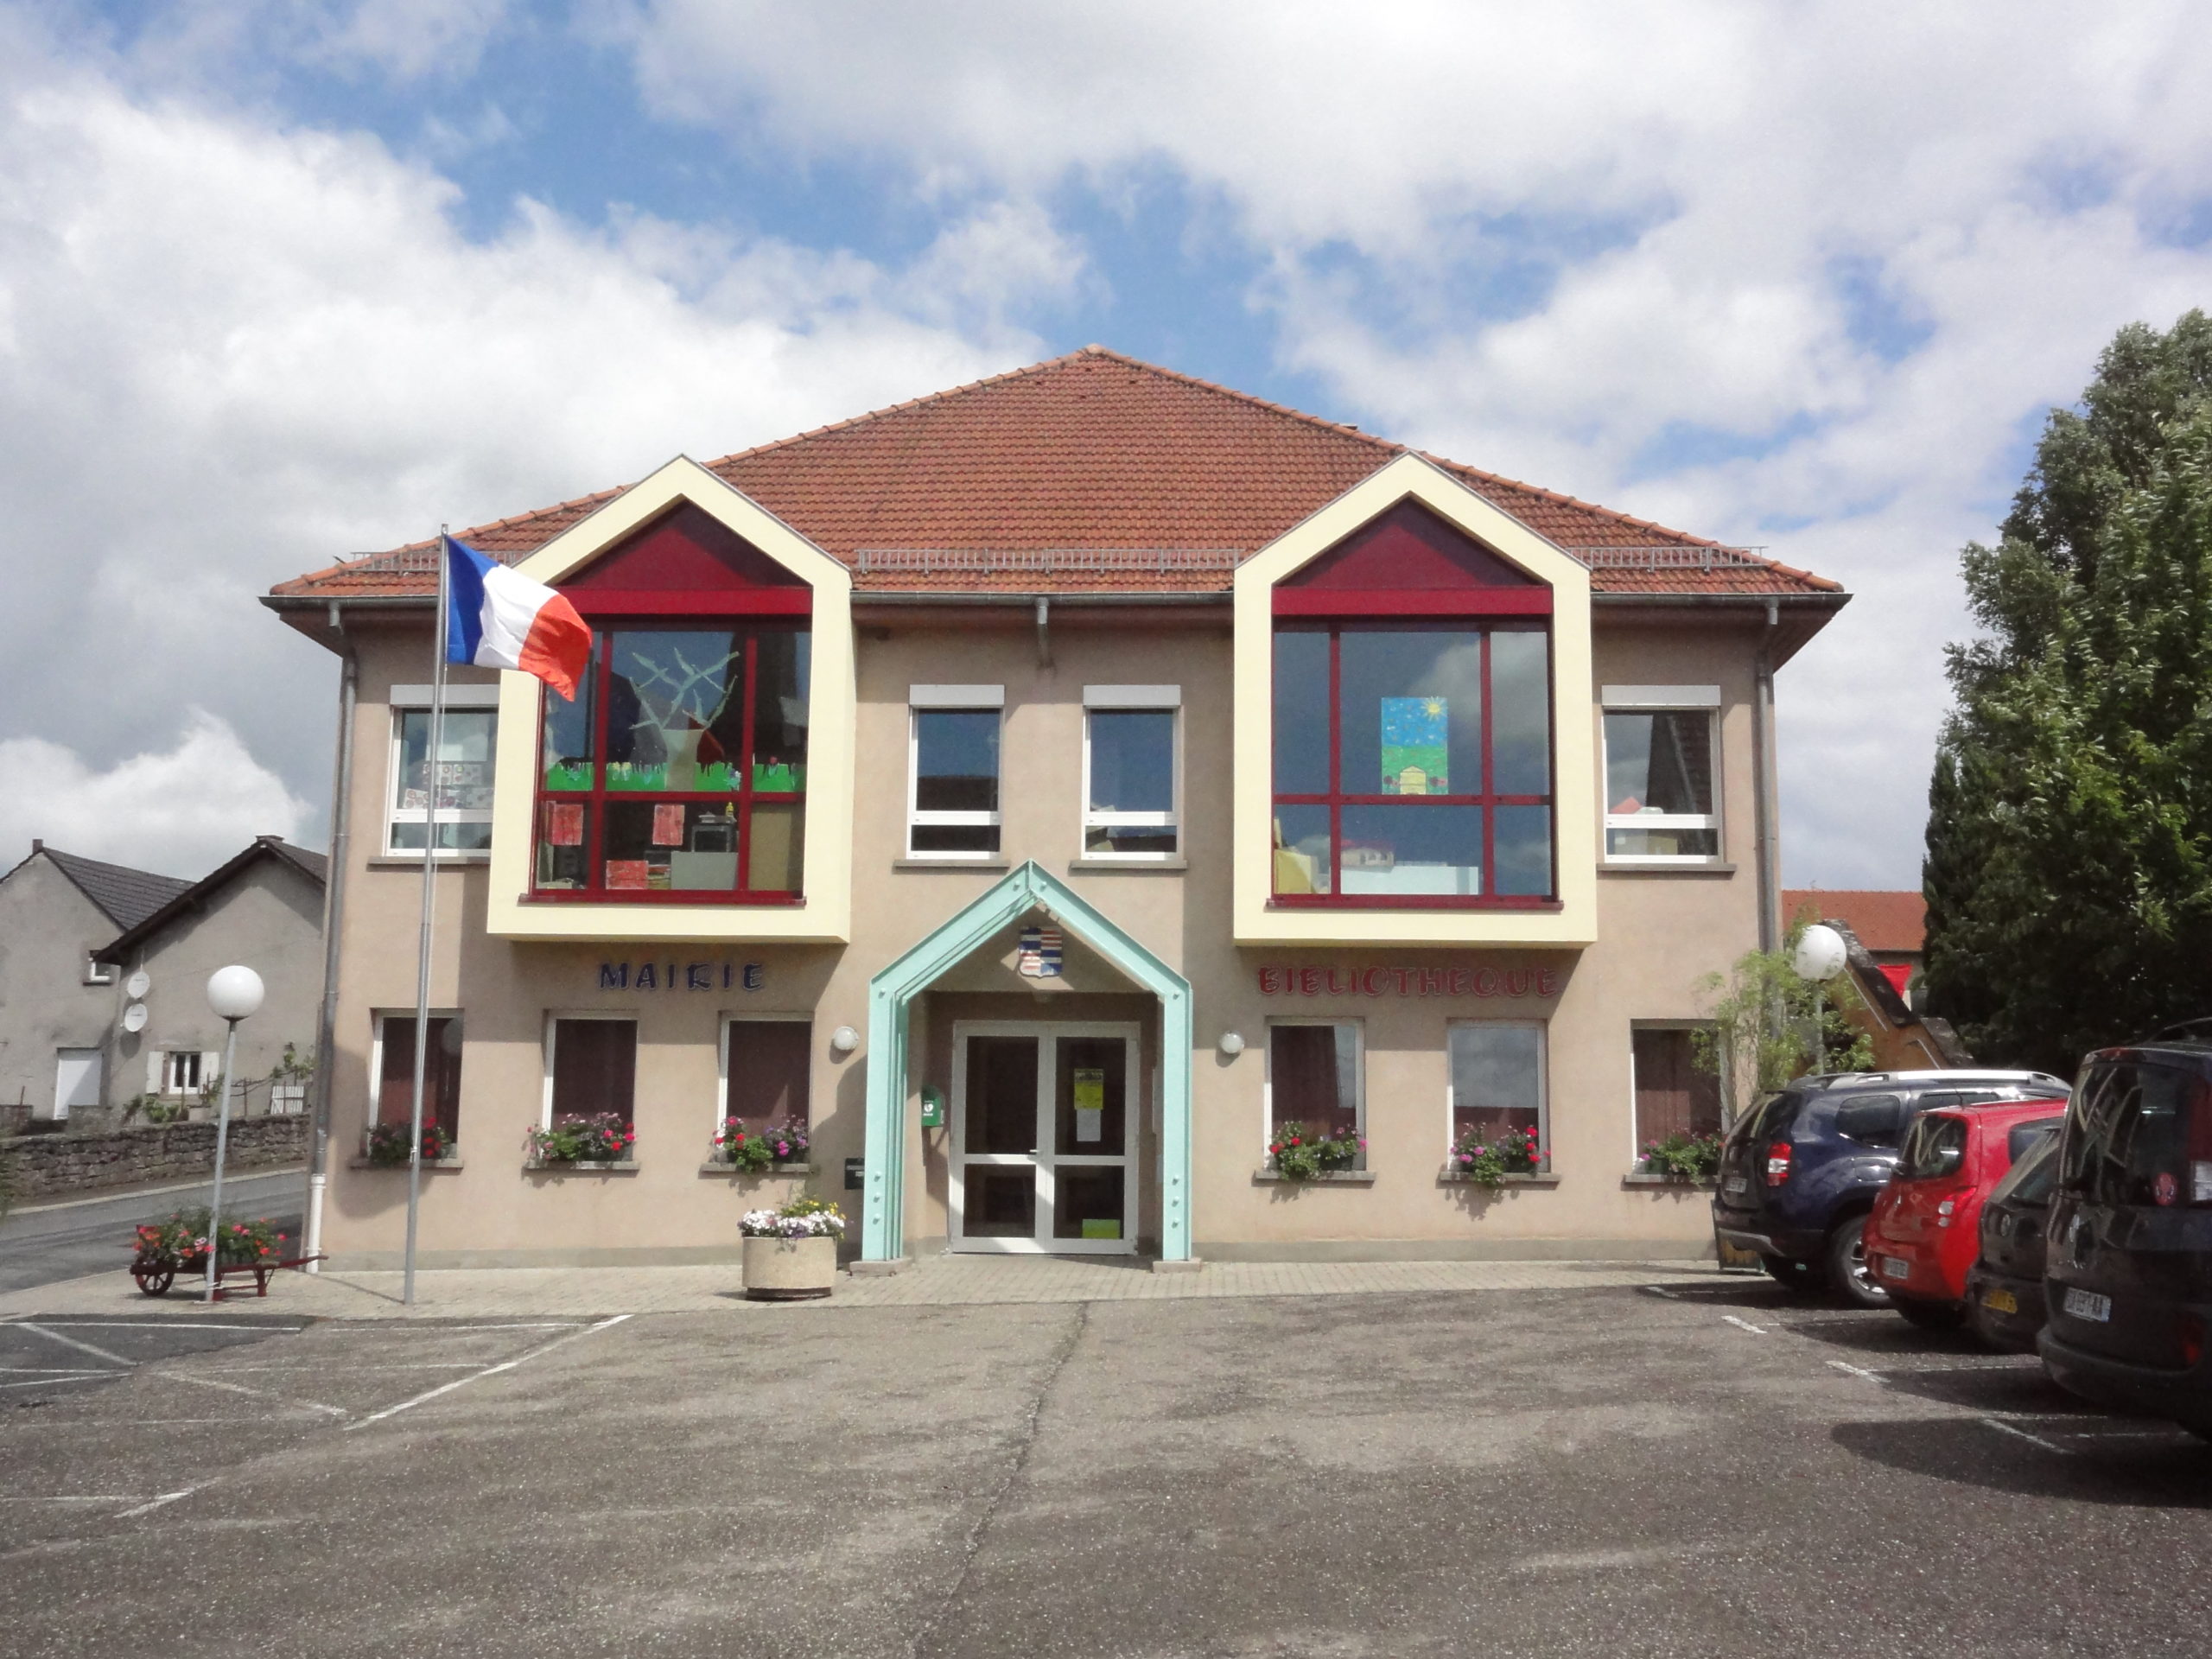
x=1926, y=1229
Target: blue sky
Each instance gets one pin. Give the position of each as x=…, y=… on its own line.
x=283, y=279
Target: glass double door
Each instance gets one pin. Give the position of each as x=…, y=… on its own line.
x=1044, y=1138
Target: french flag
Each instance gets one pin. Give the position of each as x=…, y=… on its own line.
x=496, y=619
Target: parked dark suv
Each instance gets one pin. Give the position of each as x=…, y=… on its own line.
x=1800, y=1169
x=2128, y=1272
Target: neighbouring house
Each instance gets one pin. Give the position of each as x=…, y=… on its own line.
x=262, y=908
x=1046, y=793
x=1892, y=925
x=57, y=998
x=1885, y=932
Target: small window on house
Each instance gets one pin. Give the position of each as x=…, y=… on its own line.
x=1129, y=772
x=594, y=1069
x=466, y=747
x=1498, y=1079
x=1661, y=796
x=441, y=1072
x=1314, y=1077
x=184, y=1071
x=766, y=1066
x=953, y=785
x=1673, y=1097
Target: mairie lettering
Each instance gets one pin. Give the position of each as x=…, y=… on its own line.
x=682, y=976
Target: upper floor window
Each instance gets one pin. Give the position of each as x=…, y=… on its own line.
x=678, y=772
x=1412, y=761
x=952, y=800
x=1661, y=800
x=1130, y=771
x=466, y=754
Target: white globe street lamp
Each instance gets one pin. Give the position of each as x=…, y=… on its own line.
x=1820, y=956
x=234, y=993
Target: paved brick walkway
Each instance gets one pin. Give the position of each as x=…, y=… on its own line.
x=506, y=1293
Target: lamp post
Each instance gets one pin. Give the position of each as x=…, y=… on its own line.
x=233, y=992
x=1819, y=959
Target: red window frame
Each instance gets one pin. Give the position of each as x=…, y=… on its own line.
x=1290, y=619
x=597, y=798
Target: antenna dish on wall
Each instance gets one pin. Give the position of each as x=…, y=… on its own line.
x=134, y=1017
x=138, y=985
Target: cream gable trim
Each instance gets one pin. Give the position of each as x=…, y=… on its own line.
x=832, y=716
x=1574, y=727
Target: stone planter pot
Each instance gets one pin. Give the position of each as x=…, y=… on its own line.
x=790, y=1269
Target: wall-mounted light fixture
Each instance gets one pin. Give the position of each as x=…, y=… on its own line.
x=1231, y=1044
x=844, y=1040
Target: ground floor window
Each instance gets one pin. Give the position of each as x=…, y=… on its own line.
x=395, y=1072
x=1314, y=1077
x=593, y=1069
x=1673, y=1097
x=1498, y=1080
x=183, y=1070
x=766, y=1067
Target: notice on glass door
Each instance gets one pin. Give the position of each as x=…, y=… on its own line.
x=1090, y=1103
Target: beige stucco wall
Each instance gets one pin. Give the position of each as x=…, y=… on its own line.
x=1657, y=934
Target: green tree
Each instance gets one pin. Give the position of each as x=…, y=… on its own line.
x=2069, y=871
x=1766, y=1018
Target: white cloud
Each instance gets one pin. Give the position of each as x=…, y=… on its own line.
x=231, y=352
x=1599, y=246
x=180, y=812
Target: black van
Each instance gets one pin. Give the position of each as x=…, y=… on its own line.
x=2128, y=1271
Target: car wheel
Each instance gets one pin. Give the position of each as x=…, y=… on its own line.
x=1850, y=1275
x=1798, y=1278
x=1930, y=1316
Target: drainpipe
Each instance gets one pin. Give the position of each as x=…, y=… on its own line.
x=334, y=915
x=1763, y=806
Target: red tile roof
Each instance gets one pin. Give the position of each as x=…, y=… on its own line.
x=1886, y=922
x=1090, y=472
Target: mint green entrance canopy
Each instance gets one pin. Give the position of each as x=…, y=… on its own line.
x=891, y=993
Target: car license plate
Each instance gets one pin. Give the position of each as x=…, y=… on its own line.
x=2000, y=1301
x=1735, y=1184
x=2088, y=1305
x=1893, y=1268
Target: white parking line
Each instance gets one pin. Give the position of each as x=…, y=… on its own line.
x=81, y=1347
x=1857, y=1370
x=1659, y=1290
x=240, y=1388
x=489, y=1370
x=2014, y=1429
x=46, y=1370
x=55, y=1382
x=165, y=1325
x=166, y=1497
x=1745, y=1324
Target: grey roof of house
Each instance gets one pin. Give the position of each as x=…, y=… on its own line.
x=126, y=897
x=190, y=895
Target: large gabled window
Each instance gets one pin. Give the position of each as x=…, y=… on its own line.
x=1412, y=728
x=679, y=771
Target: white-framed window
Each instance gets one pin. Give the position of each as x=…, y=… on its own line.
x=467, y=741
x=1662, y=774
x=1132, y=773
x=1316, y=1076
x=952, y=771
x=1498, y=1080
x=766, y=1068
x=184, y=1070
x=591, y=1066
x=97, y=972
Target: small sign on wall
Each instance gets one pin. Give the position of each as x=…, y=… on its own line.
x=682, y=976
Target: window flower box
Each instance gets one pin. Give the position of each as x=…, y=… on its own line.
x=384, y=1145
x=790, y=1254
x=1297, y=1154
x=1683, y=1159
x=752, y=1149
x=1485, y=1159
x=600, y=1141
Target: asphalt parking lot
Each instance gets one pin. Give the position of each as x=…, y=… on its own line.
x=1715, y=1469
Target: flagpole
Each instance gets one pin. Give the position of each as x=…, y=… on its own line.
x=429, y=912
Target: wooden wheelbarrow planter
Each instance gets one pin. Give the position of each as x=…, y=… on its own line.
x=155, y=1271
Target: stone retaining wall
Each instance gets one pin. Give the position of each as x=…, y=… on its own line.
x=46, y=1164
